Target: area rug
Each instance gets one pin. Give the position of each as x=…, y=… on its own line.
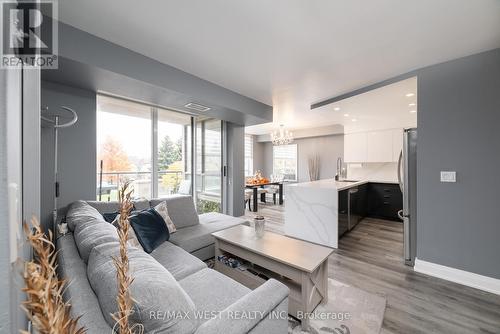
x=349, y=310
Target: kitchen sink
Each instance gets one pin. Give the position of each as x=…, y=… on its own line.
x=348, y=181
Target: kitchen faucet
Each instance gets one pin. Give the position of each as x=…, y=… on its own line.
x=339, y=173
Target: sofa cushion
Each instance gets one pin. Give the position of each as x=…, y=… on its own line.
x=224, y=291
x=180, y=209
x=84, y=303
x=92, y=233
x=79, y=212
x=150, y=229
x=177, y=261
x=105, y=207
x=196, y=237
x=140, y=204
x=114, y=206
x=215, y=217
x=154, y=289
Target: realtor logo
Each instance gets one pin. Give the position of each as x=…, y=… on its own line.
x=29, y=34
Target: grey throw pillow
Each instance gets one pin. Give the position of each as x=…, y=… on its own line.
x=154, y=291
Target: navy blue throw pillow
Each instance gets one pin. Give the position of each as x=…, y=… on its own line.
x=150, y=229
x=110, y=217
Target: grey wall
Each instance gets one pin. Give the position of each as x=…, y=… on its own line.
x=458, y=124
x=258, y=155
x=329, y=148
x=236, y=169
x=77, y=149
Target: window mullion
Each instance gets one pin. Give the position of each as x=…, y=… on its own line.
x=154, y=152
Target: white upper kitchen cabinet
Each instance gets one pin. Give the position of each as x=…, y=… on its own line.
x=373, y=146
x=397, y=143
x=379, y=146
x=355, y=149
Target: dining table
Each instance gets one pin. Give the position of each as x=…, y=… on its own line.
x=256, y=186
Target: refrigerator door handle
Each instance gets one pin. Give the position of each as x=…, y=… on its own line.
x=407, y=239
x=400, y=179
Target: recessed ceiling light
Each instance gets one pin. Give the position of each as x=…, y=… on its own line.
x=411, y=105
x=354, y=120
x=410, y=95
x=413, y=111
x=346, y=115
x=336, y=108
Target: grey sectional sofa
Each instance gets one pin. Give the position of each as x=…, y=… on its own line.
x=178, y=271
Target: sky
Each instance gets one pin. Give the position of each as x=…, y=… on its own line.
x=134, y=133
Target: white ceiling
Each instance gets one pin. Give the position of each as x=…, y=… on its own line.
x=387, y=107
x=291, y=53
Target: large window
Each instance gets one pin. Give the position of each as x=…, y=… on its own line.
x=285, y=162
x=123, y=147
x=248, y=155
x=152, y=149
x=127, y=135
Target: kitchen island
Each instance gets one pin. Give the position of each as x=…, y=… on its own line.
x=312, y=210
x=322, y=211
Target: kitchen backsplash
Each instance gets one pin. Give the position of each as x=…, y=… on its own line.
x=387, y=172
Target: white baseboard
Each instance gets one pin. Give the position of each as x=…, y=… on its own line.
x=484, y=283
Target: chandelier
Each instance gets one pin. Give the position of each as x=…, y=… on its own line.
x=281, y=137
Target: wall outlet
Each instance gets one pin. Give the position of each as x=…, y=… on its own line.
x=447, y=176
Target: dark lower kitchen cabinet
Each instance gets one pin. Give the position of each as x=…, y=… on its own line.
x=343, y=218
x=384, y=201
x=361, y=206
x=376, y=200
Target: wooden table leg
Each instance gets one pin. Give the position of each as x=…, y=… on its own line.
x=305, y=300
x=217, y=249
x=324, y=278
x=255, y=203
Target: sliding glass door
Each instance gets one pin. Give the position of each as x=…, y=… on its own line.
x=208, y=165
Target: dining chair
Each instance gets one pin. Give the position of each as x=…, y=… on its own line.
x=248, y=198
x=274, y=189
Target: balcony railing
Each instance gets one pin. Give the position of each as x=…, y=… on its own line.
x=168, y=183
x=209, y=196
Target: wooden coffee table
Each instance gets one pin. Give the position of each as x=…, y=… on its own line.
x=301, y=265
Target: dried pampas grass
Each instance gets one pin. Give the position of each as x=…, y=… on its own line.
x=124, y=300
x=313, y=166
x=45, y=306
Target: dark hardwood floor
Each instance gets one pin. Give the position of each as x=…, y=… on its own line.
x=370, y=258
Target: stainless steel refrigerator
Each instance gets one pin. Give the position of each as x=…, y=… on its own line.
x=407, y=175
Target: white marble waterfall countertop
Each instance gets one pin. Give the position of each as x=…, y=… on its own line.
x=311, y=209
x=339, y=185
